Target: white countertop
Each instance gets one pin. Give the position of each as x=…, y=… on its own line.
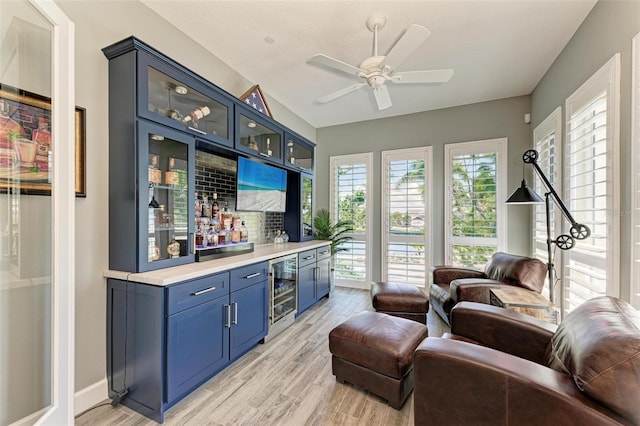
x=167, y=276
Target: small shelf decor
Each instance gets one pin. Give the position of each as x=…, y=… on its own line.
x=255, y=99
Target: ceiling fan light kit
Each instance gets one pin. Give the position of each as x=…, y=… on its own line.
x=376, y=70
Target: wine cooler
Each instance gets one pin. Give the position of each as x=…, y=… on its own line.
x=283, y=293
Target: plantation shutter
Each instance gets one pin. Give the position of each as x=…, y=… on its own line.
x=406, y=222
x=350, y=176
x=474, y=205
x=590, y=178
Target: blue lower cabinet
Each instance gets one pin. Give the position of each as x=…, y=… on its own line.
x=248, y=318
x=323, y=278
x=197, y=346
x=164, y=342
x=306, y=287
x=314, y=277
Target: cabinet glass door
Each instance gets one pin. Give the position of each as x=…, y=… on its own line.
x=183, y=103
x=307, y=207
x=299, y=154
x=255, y=137
x=168, y=225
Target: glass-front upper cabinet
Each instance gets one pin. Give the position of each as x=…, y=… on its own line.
x=257, y=136
x=174, y=98
x=298, y=218
x=298, y=153
x=166, y=210
x=306, y=207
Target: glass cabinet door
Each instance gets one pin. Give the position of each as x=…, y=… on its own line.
x=299, y=154
x=176, y=100
x=306, y=207
x=168, y=211
x=256, y=137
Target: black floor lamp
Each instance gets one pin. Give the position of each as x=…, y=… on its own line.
x=524, y=195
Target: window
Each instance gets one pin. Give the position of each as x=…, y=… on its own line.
x=635, y=181
x=591, y=167
x=406, y=220
x=350, y=200
x=547, y=140
x=475, y=181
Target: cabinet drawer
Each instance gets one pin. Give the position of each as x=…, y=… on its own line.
x=323, y=252
x=307, y=257
x=191, y=293
x=249, y=275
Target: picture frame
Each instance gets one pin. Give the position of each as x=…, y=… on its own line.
x=255, y=99
x=26, y=141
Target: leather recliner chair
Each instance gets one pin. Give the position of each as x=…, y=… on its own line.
x=453, y=284
x=499, y=367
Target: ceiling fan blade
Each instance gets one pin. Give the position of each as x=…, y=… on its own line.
x=330, y=62
x=410, y=40
x=426, y=76
x=383, y=99
x=341, y=92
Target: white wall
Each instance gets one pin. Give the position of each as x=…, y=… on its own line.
x=99, y=24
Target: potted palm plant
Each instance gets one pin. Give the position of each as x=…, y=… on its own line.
x=336, y=233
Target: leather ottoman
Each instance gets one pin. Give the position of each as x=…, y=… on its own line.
x=374, y=351
x=400, y=300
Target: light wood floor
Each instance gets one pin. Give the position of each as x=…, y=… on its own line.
x=286, y=381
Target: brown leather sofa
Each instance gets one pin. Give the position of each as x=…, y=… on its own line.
x=453, y=284
x=499, y=367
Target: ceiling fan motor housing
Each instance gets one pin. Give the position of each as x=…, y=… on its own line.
x=375, y=75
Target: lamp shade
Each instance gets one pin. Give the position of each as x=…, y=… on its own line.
x=524, y=195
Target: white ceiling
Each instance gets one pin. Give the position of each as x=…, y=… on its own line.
x=498, y=49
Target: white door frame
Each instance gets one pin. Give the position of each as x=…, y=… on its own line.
x=61, y=411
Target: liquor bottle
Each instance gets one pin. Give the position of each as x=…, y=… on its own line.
x=198, y=206
x=222, y=236
x=155, y=174
x=285, y=236
x=205, y=205
x=244, y=233
x=195, y=115
x=235, y=232
x=171, y=176
x=292, y=159
x=252, y=143
x=215, y=208
x=212, y=236
x=269, y=152
x=227, y=236
x=227, y=216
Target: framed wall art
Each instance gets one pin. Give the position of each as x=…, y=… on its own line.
x=26, y=143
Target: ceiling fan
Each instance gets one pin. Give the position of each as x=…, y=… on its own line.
x=376, y=70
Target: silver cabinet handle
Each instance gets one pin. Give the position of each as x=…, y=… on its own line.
x=309, y=257
x=324, y=252
x=228, y=309
x=197, y=130
x=315, y=274
x=257, y=274
x=206, y=290
x=235, y=313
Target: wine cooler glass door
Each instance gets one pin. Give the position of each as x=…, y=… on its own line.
x=284, y=288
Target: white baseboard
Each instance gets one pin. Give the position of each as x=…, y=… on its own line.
x=90, y=396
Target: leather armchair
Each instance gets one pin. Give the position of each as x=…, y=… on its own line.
x=451, y=284
x=499, y=367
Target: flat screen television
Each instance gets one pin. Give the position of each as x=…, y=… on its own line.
x=260, y=187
